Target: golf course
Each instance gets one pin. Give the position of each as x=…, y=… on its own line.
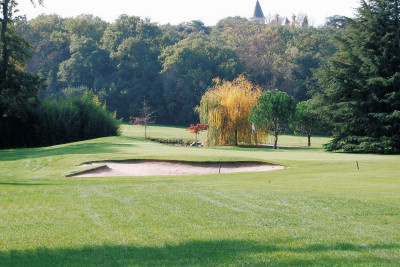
x=322, y=209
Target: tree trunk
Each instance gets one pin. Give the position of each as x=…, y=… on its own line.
x=3, y=40
x=276, y=140
x=276, y=132
x=309, y=138
x=236, y=137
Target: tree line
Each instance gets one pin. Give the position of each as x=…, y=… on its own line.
x=170, y=65
x=346, y=72
x=25, y=119
x=241, y=113
x=357, y=92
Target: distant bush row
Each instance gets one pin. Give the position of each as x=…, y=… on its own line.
x=59, y=121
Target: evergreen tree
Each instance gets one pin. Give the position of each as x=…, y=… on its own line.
x=306, y=119
x=17, y=88
x=362, y=82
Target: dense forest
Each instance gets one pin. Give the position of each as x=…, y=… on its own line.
x=171, y=65
x=344, y=75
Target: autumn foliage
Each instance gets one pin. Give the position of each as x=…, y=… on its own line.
x=137, y=120
x=196, y=129
x=225, y=108
x=147, y=117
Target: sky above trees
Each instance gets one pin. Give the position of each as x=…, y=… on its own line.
x=177, y=11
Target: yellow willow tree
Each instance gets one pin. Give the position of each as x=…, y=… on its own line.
x=225, y=108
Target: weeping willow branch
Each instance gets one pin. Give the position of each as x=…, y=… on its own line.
x=225, y=108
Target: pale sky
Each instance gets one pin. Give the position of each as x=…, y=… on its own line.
x=177, y=11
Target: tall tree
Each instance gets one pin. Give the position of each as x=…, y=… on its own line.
x=363, y=82
x=87, y=63
x=138, y=69
x=336, y=22
x=50, y=43
x=134, y=45
x=85, y=26
x=309, y=48
x=261, y=49
x=188, y=70
x=16, y=86
x=7, y=10
x=306, y=119
x=129, y=26
x=266, y=59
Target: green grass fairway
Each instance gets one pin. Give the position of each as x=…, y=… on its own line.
x=168, y=132
x=322, y=211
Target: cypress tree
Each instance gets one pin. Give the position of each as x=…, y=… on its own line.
x=362, y=82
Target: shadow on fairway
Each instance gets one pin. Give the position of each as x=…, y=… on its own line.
x=225, y=252
x=23, y=184
x=82, y=148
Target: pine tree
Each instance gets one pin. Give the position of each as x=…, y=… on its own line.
x=362, y=82
x=17, y=87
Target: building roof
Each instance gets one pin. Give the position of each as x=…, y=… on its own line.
x=283, y=21
x=258, y=13
x=259, y=17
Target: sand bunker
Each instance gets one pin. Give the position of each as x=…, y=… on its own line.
x=154, y=168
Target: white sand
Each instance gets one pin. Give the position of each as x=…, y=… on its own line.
x=154, y=168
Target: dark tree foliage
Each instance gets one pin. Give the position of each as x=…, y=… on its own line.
x=50, y=47
x=273, y=111
x=362, y=95
x=27, y=122
x=195, y=26
x=135, y=46
x=306, y=119
x=60, y=121
x=18, y=89
x=86, y=65
x=302, y=76
x=311, y=48
x=132, y=58
x=188, y=70
x=261, y=49
x=336, y=22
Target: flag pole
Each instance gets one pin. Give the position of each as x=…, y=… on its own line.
x=252, y=130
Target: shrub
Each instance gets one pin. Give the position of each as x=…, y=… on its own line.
x=60, y=121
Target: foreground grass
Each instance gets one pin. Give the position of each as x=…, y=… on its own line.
x=320, y=211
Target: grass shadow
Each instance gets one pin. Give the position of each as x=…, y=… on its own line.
x=73, y=148
x=224, y=252
x=22, y=184
x=281, y=147
x=266, y=148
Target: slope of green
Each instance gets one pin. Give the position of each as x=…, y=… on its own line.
x=322, y=210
